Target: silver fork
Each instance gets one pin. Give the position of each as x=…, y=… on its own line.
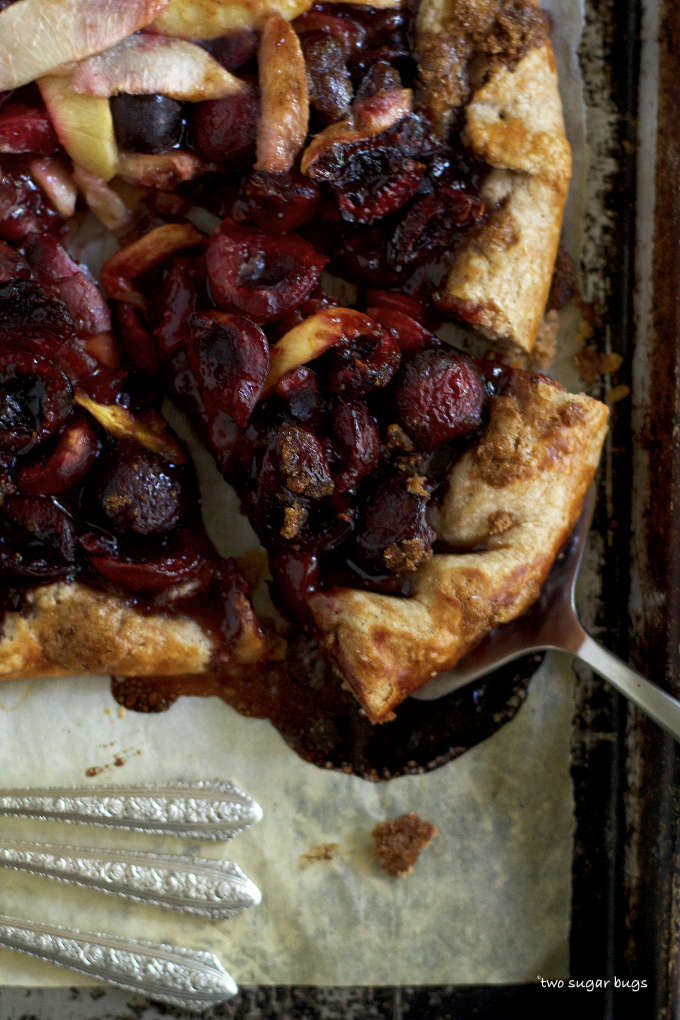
x=186, y=977
x=552, y=624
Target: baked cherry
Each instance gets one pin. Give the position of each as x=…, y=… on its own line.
x=224, y=130
x=439, y=396
x=427, y=228
x=296, y=576
x=138, y=344
x=36, y=538
x=393, y=535
x=379, y=77
x=179, y=298
x=408, y=333
x=23, y=207
x=147, y=123
x=365, y=364
x=303, y=462
x=233, y=49
x=26, y=129
x=183, y=562
x=277, y=203
x=35, y=400
x=260, y=275
x=362, y=256
x=371, y=177
x=345, y=31
x=229, y=356
x=302, y=395
x=329, y=82
x=356, y=436
x=63, y=467
x=138, y=492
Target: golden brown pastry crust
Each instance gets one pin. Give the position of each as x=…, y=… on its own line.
x=500, y=278
x=518, y=494
x=68, y=628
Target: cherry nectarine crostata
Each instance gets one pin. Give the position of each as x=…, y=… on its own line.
x=253, y=162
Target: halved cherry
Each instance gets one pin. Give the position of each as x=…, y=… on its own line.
x=260, y=275
x=356, y=435
x=408, y=333
x=36, y=538
x=156, y=574
x=427, y=228
x=64, y=466
x=296, y=575
x=302, y=394
x=178, y=301
x=366, y=363
x=278, y=203
x=137, y=342
x=406, y=303
x=229, y=356
x=35, y=400
x=393, y=533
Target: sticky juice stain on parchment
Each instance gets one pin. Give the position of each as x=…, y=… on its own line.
x=23, y=698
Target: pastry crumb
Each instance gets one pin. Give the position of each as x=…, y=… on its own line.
x=590, y=363
x=320, y=852
x=617, y=393
x=398, y=842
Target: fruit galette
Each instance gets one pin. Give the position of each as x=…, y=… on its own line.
x=253, y=162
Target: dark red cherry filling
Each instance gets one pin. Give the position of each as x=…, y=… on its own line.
x=229, y=356
x=258, y=275
x=137, y=492
x=35, y=400
x=440, y=396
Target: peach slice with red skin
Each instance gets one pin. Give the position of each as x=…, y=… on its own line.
x=148, y=64
x=312, y=337
x=284, y=103
x=38, y=36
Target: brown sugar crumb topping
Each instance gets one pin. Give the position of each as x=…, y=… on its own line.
x=474, y=42
x=293, y=519
x=405, y=557
x=398, y=842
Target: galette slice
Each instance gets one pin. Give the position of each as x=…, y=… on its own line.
x=105, y=566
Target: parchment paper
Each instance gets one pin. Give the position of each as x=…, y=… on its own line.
x=489, y=900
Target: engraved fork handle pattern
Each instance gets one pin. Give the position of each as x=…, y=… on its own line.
x=188, y=978
x=193, y=885
x=203, y=810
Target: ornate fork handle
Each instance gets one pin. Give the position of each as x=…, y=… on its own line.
x=189, y=978
x=202, y=810
x=194, y=885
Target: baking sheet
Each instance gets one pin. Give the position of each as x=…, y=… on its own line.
x=489, y=901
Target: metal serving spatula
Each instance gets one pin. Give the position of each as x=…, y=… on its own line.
x=552, y=623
